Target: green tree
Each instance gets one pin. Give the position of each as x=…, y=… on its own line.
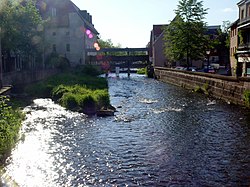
x=19, y=23
x=185, y=36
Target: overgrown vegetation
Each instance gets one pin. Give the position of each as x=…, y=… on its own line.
x=10, y=123
x=142, y=71
x=246, y=96
x=77, y=90
x=203, y=89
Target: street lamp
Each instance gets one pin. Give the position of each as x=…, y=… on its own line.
x=208, y=53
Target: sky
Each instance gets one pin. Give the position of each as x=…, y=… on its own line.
x=129, y=22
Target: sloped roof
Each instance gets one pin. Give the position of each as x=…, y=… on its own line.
x=63, y=7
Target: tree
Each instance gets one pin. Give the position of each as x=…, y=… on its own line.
x=19, y=23
x=185, y=36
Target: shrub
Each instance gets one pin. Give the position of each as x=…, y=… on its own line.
x=102, y=98
x=58, y=91
x=86, y=100
x=10, y=123
x=90, y=70
x=40, y=89
x=142, y=71
x=69, y=101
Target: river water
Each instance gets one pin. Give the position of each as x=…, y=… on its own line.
x=162, y=135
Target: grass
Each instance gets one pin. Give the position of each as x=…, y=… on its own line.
x=246, y=96
x=142, y=71
x=78, y=90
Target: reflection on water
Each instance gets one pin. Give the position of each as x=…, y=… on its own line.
x=161, y=136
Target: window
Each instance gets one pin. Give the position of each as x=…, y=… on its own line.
x=68, y=47
x=67, y=33
x=54, y=47
x=54, y=33
x=53, y=12
x=242, y=14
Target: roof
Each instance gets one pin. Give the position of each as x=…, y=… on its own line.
x=158, y=29
x=63, y=7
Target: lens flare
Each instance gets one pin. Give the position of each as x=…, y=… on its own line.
x=96, y=45
x=88, y=32
x=91, y=36
x=98, y=48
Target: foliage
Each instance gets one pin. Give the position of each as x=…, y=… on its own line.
x=142, y=71
x=246, y=96
x=79, y=97
x=90, y=70
x=19, y=21
x=185, y=36
x=75, y=91
x=10, y=123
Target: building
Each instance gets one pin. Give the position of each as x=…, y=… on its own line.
x=156, y=53
x=158, y=59
x=240, y=34
x=233, y=46
x=68, y=30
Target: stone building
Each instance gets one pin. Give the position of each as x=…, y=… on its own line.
x=68, y=30
x=156, y=46
x=233, y=46
x=240, y=37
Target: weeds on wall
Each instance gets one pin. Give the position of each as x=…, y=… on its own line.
x=246, y=97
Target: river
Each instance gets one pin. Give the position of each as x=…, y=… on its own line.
x=162, y=135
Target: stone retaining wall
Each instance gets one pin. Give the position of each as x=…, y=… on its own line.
x=19, y=78
x=227, y=88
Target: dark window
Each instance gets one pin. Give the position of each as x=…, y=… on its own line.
x=67, y=33
x=54, y=33
x=53, y=12
x=54, y=47
x=68, y=47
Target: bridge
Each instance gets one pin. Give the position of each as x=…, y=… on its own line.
x=119, y=57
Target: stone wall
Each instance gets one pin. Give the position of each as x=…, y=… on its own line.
x=229, y=89
x=19, y=78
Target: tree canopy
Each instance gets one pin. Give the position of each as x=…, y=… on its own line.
x=19, y=24
x=184, y=37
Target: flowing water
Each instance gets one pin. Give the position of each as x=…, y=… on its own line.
x=162, y=135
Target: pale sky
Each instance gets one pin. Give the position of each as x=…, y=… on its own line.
x=129, y=22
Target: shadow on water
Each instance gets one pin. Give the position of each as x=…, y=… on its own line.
x=162, y=135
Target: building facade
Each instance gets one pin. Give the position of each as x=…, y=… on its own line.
x=157, y=56
x=233, y=46
x=68, y=31
x=241, y=33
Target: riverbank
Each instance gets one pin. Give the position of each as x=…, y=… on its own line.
x=78, y=90
x=11, y=119
x=230, y=89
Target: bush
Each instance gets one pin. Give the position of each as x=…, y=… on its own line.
x=69, y=101
x=102, y=98
x=142, y=71
x=90, y=70
x=58, y=91
x=10, y=123
x=40, y=89
x=86, y=101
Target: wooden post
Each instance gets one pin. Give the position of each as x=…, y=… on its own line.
x=128, y=64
